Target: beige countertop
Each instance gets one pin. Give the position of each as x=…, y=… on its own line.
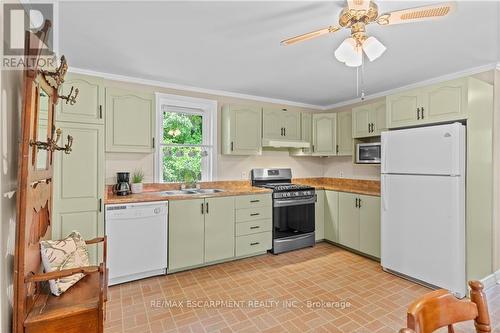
x=243, y=187
x=151, y=192
x=359, y=186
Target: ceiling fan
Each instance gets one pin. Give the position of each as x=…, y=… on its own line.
x=357, y=15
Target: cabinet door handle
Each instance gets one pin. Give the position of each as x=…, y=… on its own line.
x=100, y=205
x=255, y=227
x=359, y=203
x=356, y=204
x=422, y=113
x=255, y=243
x=206, y=207
x=337, y=149
x=418, y=113
x=368, y=127
x=373, y=127
x=100, y=111
x=202, y=210
x=254, y=200
x=153, y=140
x=284, y=131
x=254, y=214
x=232, y=146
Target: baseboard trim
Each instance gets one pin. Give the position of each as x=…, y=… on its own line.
x=491, y=280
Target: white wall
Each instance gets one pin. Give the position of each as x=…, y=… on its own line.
x=342, y=167
x=230, y=167
x=11, y=105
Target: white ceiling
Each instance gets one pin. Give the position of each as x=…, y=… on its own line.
x=234, y=46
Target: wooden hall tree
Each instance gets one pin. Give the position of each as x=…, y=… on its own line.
x=80, y=308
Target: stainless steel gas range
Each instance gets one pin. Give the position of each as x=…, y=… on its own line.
x=293, y=209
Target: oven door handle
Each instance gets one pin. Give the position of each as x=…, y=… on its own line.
x=286, y=203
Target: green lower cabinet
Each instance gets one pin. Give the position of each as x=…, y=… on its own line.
x=331, y=216
x=219, y=228
x=348, y=220
x=359, y=223
x=319, y=218
x=200, y=231
x=369, y=225
x=186, y=233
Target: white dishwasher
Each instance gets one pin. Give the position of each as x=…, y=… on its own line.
x=137, y=240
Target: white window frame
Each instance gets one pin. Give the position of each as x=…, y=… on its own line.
x=206, y=107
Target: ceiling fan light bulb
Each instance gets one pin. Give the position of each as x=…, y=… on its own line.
x=373, y=48
x=356, y=58
x=346, y=50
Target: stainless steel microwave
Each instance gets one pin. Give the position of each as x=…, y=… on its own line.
x=368, y=153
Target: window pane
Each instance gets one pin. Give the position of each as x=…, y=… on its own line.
x=183, y=164
x=182, y=128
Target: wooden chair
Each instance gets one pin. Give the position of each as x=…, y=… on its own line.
x=81, y=307
x=440, y=308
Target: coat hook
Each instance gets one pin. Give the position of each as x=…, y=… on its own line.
x=70, y=98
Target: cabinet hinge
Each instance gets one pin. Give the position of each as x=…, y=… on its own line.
x=100, y=111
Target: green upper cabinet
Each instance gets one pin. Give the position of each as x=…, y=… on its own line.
x=280, y=124
x=241, y=130
x=90, y=100
x=402, y=108
x=130, y=119
x=324, y=134
x=368, y=120
x=443, y=102
x=344, y=133
x=306, y=135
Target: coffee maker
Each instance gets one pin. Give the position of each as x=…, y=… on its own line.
x=122, y=186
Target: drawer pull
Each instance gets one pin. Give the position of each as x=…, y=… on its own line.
x=255, y=227
x=254, y=214
x=253, y=201
x=255, y=243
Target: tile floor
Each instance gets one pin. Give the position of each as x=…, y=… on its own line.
x=320, y=289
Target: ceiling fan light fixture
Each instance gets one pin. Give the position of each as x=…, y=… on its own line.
x=373, y=48
x=349, y=53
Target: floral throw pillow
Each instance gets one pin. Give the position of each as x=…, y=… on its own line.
x=57, y=255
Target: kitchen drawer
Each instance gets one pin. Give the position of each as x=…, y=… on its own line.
x=249, y=244
x=252, y=214
x=253, y=227
x=255, y=200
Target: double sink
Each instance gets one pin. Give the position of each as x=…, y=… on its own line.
x=191, y=191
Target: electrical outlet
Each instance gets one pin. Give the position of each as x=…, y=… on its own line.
x=244, y=175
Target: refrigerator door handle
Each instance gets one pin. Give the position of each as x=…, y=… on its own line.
x=384, y=195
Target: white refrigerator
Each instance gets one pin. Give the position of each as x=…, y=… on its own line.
x=423, y=205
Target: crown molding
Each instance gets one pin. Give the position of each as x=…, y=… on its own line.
x=438, y=79
x=214, y=92
x=180, y=87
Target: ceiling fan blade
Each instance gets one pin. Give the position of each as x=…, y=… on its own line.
x=310, y=35
x=358, y=4
x=417, y=14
